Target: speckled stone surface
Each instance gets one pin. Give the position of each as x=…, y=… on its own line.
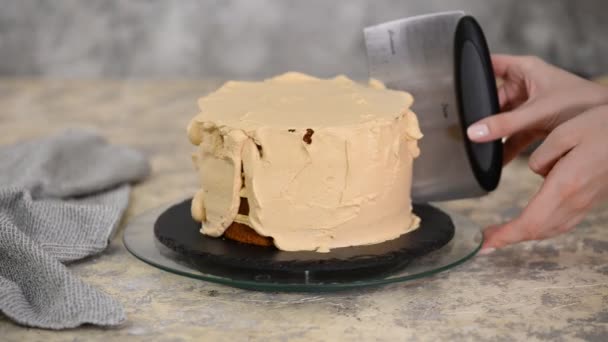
x=552, y=290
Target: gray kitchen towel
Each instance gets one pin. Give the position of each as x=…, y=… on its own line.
x=61, y=199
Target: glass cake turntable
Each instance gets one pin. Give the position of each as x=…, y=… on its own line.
x=168, y=238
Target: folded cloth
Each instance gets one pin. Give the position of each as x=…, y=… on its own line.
x=61, y=199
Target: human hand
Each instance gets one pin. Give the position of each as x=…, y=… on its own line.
x=574, y=158
x=535, y=97
x=539, y=100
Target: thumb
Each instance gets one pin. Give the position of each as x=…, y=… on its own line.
x=536, y=113
x=500, y=126
x=492, y=128
x=525, y=117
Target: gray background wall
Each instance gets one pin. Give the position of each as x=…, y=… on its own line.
x=258, y=38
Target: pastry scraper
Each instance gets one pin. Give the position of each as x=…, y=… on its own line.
x=443, y=60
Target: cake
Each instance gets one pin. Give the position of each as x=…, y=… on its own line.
x=305, y=164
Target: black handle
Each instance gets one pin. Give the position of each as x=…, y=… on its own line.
x=477, y=98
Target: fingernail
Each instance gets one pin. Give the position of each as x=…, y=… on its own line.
x=478, y=131
x=486, y=251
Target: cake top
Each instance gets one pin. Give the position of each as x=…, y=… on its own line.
x=298, y=101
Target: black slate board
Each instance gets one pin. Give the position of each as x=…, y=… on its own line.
x=176, y=229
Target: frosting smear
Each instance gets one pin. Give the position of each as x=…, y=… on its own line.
x=323, y=163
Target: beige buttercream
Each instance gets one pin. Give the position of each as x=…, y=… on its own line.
x=326, y=163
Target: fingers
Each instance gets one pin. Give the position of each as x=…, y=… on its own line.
x=556, y=145
x=570, y=224
x=492, y=128
x=510, y=96
x=518, y=142
x=564, y=138
x=512, y=90
x=503, y=98
x=502, y=235
x=559, y=142
x=560, y=204
x=533, y=222
x=528, y=226
x=501, y=64
x=499, y=236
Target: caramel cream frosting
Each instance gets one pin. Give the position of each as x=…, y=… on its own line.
x=323, y=163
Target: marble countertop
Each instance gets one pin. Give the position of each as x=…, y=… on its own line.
x=550, y=290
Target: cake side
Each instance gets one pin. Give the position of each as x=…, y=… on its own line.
x=347, y=187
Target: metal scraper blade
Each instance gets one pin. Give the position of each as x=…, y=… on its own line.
x=409, y=53
x=416, y=55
